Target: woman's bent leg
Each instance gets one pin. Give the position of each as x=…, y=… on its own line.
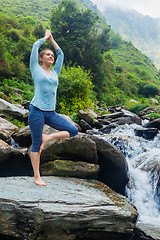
x=56, y=121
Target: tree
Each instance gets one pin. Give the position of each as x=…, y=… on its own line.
x=76, y=33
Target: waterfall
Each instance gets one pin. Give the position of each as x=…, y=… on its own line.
x=143, y=157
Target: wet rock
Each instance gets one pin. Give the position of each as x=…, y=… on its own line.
x=107, y=129
x=6, y=129
x=147, y=133
x=148, y=231
x=23, y=136
x=70, y=169
x=113, y=165
x=78, y=148
x=13, y=162
x=66, y=209
x=126, y=120
x=11, y=110
x=134, y=117
x=153, y=124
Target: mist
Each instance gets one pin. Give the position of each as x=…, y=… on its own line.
x=146, y=7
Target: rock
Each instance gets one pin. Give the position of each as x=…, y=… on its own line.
x=23, y=136
x=153, y=124
x=92, y=113
x=133, y=101
x=113, y=115
x=113, y=165
x=149, y=110
x=90, y=118
x=147, y=133
x=12, y=110
x=104, y=121
x=97, y=124
x=84, y=125
x=70, y=169
x=26, y=104
x=107, y=129
x=134, y=117
x=149, y=231
x=6, y=129
x=78, y=148
x=86, y=117
x=127, y=120
x=94, y=132
x=13, y=162
x=66, y=209
x=153, y=100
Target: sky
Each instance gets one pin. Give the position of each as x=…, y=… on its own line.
x=146, y=7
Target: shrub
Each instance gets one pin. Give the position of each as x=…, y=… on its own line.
x=136, y=108
x=149, y=90
x=75, y=90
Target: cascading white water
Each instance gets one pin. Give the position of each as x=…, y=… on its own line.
x=143, y=157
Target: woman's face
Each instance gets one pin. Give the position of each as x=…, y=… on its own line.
x=47, y=58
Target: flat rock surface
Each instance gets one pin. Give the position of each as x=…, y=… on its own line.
x=83, y=207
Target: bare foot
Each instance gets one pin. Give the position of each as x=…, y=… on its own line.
x=44, y=142
x=39, y=181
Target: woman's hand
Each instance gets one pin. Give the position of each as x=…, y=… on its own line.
x=47, y=34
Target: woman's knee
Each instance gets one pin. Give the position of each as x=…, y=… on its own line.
x=73, y=132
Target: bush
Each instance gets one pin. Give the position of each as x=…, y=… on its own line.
x=149, y=90
x=75, y=90
x=136, y=108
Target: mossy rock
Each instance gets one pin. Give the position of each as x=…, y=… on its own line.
x=70, y=169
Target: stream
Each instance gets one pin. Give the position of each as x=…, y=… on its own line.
x=143, y=157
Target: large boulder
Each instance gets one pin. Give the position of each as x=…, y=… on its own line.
x=23, y=136
x=78, y=148
x=13, y=162
x=66, y=209
x=113, y=165
x=6, y=129
x=70, y=168
x=12, y=110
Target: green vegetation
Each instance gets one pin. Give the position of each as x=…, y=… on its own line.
x=154, y=115
x=136, y=108
x=142, y=31
x=75, y=90
x=99, y=65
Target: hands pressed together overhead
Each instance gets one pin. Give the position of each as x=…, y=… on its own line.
x=48, y=35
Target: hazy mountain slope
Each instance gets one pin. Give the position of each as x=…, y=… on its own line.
x=142, y=31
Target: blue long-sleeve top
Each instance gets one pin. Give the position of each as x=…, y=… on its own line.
x=45, y=84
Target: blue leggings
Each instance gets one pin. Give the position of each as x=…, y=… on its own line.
x=37, y=118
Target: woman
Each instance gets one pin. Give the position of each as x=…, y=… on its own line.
x=42, y=107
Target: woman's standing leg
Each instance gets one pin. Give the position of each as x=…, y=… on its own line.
x=36, y=122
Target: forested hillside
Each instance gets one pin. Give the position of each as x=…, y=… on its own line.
x=38, y=9
x=142, y=31
x=98, y=65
